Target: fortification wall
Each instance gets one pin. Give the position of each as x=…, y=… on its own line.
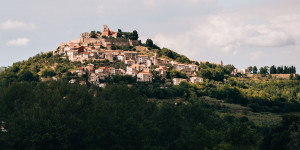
x=91, y=40
x=281, y=75
x=121, y=42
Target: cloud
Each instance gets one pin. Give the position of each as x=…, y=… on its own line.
x=229, y=32
x=181, y=2
x=256, y=55
x=100, y=10
x=18, y=42
x=17, y=25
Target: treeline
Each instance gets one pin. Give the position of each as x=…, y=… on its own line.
x=273, y=70
x=282, y=70
x=276, y=96
x=128, y=35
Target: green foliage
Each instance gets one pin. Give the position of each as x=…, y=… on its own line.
x=176, y=74
x=2, y=69
x=134, y=35
x=48, y=73
x=128, y=35
x=273, y=70
x=173, y=55
x=149, y=43
x=228, y=69
x=254, y=70
x=284, y=136
x=214, y=72
x=264, y=70
x=93, y=34
x=27, y=76
x=58, y=115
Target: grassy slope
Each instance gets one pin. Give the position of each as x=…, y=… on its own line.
x=259, y=118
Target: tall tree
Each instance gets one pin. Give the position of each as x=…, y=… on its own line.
x=149, y=43
x=119, y=34
x=278, y=70
x=254, y=70
x=250, y=69
x=134, y=35
x=273, y=70
x=93, y=34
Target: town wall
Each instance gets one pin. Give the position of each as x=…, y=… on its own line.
x=121, y=42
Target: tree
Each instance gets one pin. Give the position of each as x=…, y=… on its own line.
x=134, y=35
x=48, y=73
x=93, y=34
x=250, y=69
x=119, y=34
x=264, y=70
x=205, y=73
x=177, y=74
x=27, y=76
x=278, y=70
x=254, y=70
x=149, y=43
x=273, y=70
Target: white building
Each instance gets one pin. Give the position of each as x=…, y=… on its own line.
x=142, y=59
x=176, y=81
x=144, y=76
x=196, y=79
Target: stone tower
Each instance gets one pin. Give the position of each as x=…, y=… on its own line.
x=84, y=36
x=105, y=27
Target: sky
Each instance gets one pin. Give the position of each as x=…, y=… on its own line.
x=239, y=32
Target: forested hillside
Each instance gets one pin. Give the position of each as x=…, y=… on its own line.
x=37, y=112
x=59, y=115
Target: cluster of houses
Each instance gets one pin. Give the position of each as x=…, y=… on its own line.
x=137, y=64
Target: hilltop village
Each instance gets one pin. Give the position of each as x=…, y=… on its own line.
x=98, y=56
x=108, y=46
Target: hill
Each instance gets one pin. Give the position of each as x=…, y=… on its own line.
x=102, y=91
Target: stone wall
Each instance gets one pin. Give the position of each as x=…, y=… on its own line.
x=121, y=42
x=281, y=75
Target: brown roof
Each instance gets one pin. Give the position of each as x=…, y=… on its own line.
x=145, y=72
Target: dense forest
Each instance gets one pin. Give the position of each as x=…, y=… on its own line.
x=59, y=115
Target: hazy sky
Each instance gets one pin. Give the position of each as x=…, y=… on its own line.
x=239, y=32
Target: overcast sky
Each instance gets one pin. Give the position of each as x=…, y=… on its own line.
x=239, y=32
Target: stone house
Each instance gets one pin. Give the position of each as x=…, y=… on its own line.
x=176, y=81
x=144, y=76
x=196, y=79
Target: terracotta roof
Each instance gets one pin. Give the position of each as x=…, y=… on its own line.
x=145, y=72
